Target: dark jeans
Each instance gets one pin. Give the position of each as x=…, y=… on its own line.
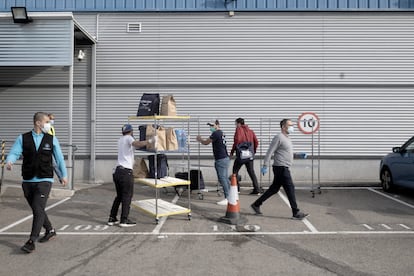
x=283, y=178
x=36, y=194
x=250, y=170
x=124, y=184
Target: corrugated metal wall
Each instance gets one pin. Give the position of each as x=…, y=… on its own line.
x=34, y=76
x=205, y=5
x=354, y=70
x=26, y=90
x=88, y=21
x=40, y=43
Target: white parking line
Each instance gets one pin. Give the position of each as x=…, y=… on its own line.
x=334, y=188
x=404, y=226
x=386, y=226
x=392, y=198
x=305, y=220
x=157, y=230
x=367, y=226
x=163, y=219
x=29, y=217
x=166, y=234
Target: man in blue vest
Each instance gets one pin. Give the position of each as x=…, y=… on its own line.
x=38, y=149
x=53, y=133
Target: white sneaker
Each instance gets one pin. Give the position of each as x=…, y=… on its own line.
x=223, y=202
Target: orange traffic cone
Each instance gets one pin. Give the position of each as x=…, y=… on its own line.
x=233, y=205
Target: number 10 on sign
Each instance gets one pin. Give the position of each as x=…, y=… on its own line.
x=308, y=123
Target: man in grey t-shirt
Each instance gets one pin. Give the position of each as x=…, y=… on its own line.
x=282, y=150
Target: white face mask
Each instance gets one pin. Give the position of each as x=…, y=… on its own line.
x=46, y=128
x=52, y=122
x=290, y=130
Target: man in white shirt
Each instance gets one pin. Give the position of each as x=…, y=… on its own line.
x=123, y=177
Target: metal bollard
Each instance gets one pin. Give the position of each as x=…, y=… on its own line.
x=72, y=148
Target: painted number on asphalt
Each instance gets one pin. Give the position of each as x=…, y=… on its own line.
x=239, y=228
x=84, y=227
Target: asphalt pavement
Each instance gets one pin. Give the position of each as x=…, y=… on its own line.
x=350, y=231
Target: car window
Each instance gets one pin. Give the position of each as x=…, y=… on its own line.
x=410, y=147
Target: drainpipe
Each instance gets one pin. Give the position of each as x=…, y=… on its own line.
x=92, y=177
x=70, y=161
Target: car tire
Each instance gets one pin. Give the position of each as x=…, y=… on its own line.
x=386, y=181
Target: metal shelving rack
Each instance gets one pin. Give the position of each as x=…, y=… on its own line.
x=157, y=207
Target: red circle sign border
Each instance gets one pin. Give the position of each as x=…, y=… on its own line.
x=304, y=131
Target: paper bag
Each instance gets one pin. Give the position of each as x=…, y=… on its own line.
x=172, y=142
x=160, y=145
x=140, y=169
x=168, y=106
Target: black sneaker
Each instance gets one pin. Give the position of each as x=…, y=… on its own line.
x=255, y=192
x=28, y=247
x=112, y=221
x=256, y=209
x=127, y=223
x=299, y=216
x=50, y=235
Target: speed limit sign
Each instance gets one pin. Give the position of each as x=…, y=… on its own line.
x=308, y=122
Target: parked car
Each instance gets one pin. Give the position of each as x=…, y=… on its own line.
x=397, y=168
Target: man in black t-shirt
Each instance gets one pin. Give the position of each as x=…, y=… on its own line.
x=221, y=157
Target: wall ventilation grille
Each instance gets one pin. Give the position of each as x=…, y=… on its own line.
x=134, y=27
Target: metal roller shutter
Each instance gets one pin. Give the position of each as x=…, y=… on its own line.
x=26, y=90
x=353, y=69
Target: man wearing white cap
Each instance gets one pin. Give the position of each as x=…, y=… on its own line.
x=123, y=177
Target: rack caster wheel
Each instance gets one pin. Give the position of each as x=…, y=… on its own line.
x=189, y=216
x=200, y=196
x=157, y=220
